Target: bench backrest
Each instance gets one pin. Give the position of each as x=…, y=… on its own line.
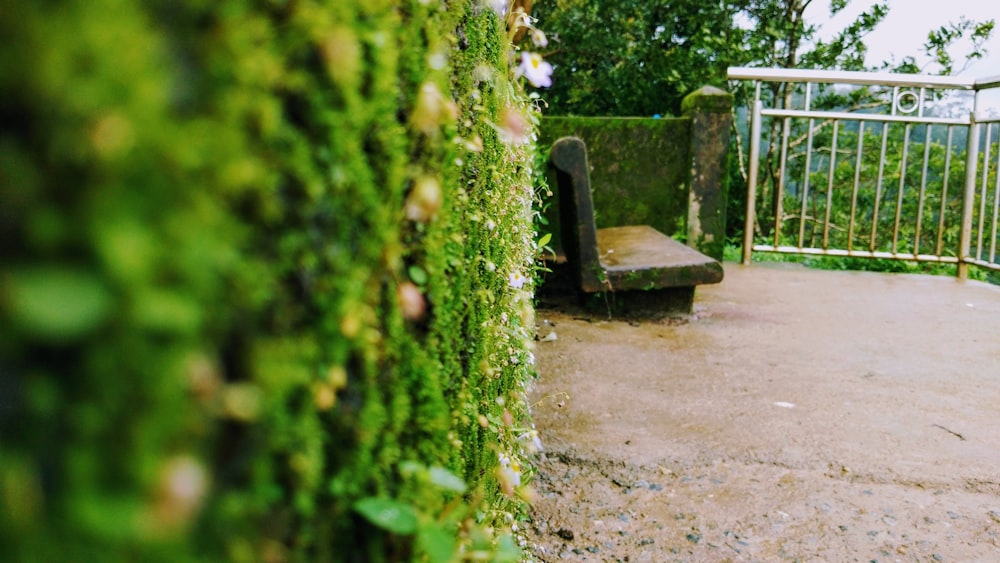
x=568, y=157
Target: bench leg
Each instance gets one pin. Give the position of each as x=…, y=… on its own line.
x=650, y=304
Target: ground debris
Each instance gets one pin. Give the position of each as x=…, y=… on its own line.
x=948, y=430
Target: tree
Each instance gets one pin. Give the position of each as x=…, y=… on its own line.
x=636, y=57
x=641, y=57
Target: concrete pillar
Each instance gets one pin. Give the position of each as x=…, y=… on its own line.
x=710, y=111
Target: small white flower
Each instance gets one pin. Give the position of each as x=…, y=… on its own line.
x=498, y=6
x=514, y=128
x=509, y=474
x=535, y=69
x=531, y=441
x=516, y=280
x=538, y=37
x=437, y=61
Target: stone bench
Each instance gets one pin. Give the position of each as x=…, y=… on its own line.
x=637, y=262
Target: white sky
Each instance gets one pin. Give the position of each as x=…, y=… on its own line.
x=904, y=30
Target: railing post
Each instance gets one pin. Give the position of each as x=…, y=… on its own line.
x=711, y=112
x=754, y=169
x=969, y=194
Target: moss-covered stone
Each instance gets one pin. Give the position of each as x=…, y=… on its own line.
x=710, y=111
x=639, y=169
x=707, y=99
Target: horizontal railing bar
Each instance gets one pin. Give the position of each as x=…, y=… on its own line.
x=987, y=82
x=855, y=77
x=848, y=116
x=982, y=263
x=858, y=254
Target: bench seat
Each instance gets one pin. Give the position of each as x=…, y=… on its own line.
x=640, y=257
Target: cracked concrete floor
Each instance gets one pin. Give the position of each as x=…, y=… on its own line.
x=797, y=415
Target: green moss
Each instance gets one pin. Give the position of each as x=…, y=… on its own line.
x=707, y=99
x=209, y=263
x=639, y=169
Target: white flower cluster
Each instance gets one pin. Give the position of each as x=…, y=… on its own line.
x=532, y=66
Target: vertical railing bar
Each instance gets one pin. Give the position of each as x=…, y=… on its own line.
x=858, y=162
x=969, y=192
x=944, y=192
x=779, y=199
x=804, y=192
x=996, y=204
x=928, y=131
x=982, y=193
x=902, y=185
x=829, y=187
x=878, y=186
x=751, y=218
x=920, y=105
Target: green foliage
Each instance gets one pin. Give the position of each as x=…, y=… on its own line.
x=256, y=298
x=635, y=57
x=640, y=58
x=886, y=191
x=940, y=39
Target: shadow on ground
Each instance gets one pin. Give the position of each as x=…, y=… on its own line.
x=796, y=415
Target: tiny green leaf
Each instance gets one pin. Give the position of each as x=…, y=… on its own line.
x=388, y=514
x=436, y=542
x=408, y=468
x=57, y=303
x=507, y=549
x=544, y=240
x=418, y=275
x=447, y=480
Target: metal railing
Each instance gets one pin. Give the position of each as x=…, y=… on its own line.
x=874, y=165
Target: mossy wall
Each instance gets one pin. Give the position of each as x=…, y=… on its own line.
x=640, y=169
x=261, y=281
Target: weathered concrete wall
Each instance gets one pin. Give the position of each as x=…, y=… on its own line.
x=639, y=169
